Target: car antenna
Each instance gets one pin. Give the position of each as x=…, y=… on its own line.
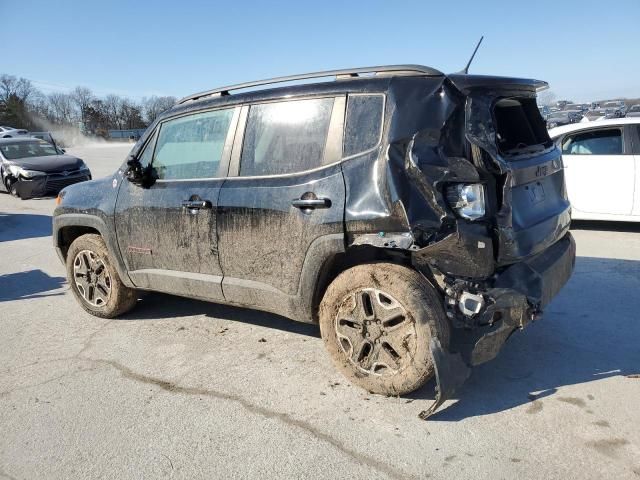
x=466, y=69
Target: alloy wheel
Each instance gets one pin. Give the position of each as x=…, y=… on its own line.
x=375, y=332
x=91, y=278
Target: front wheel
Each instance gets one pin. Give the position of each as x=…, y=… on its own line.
x=377, y=321
x=94, y=281
x=12, y=188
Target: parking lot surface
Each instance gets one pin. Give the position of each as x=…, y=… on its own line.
x=186, y=389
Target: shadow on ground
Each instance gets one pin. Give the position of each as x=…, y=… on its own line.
x=19, y=226
x=29, y=284
x=605, y=226
x=155, y=306
x=589, y=332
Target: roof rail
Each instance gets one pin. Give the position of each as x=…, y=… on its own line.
x=338, y=74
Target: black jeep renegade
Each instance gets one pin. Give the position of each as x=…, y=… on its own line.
x=419, y=218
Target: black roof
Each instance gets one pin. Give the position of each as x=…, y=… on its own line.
x=349, y=73
x=355, y=85
x=355, y=80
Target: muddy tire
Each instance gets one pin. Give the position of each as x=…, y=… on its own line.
x=94, y=281
x=377, y=321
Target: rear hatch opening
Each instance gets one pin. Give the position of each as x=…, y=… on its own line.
x=520, y=129
x=534, y=209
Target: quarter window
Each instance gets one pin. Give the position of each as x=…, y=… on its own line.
x=285, y=137
x=364, y=123
x=595, y=142
x=191, y=146
x=147, y=154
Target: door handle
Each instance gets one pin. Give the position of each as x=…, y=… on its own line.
x=196, y=204
x=311, y=203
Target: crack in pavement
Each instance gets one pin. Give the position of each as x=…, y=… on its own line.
x=89, y=341
x=256, y=409
x=86, y=345
x=44, y=382
x=173, y=387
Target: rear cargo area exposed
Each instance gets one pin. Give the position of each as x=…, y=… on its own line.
x=532, y=208
x=519, y=127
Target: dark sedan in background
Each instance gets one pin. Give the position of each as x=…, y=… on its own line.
x=30, y=167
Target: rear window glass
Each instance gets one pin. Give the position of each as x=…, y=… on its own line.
x=519, y=126
x=595, y=142
x=364, y=123
x=285, y=137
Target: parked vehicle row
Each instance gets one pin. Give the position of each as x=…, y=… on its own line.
x=565, y=113
x=563, y=117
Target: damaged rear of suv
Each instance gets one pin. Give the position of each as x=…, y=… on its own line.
x=419, y=218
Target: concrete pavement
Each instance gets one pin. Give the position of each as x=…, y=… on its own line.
x=186, y=389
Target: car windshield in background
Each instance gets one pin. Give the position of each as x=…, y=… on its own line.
x=18, y=150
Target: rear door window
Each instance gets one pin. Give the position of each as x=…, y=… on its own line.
x=192, y=146
x=594, y=142
x=364, y=123
x=285, y=137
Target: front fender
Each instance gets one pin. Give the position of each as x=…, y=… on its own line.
x=64, y=220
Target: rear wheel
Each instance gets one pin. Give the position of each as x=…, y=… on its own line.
x=94, y=281
x=377, y=321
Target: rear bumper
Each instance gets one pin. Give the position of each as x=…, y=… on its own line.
x=517, y=297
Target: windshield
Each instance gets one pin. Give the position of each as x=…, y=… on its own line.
x=37, y=148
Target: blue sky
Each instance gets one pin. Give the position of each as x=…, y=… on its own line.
x=584, y=49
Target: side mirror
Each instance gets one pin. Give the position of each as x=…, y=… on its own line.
x=138, y=174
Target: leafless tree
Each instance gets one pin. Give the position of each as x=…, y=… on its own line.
x=61, y=106
x=82, y=97
x=39, y=106
x=112, y=108
x=129, y=114
x=154, y=106
x=19, y=88
x=24, y=106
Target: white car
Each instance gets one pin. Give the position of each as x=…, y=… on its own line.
x=10, y=132
x=602, y=168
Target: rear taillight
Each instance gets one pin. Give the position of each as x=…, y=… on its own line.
x=467, y=200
